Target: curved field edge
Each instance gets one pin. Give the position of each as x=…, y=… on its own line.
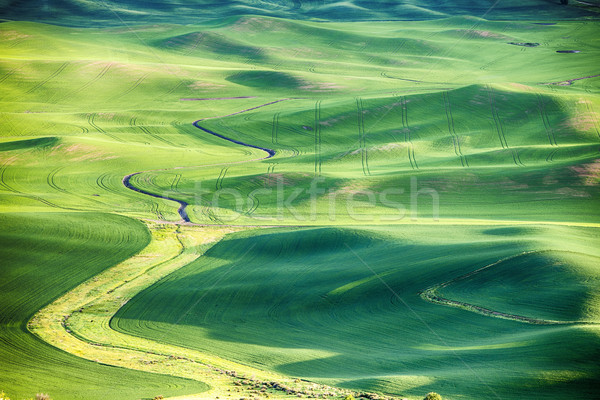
x=44, y=255
x=279, y=297
x=431, y=295
x=79, y=321
x=183, y=204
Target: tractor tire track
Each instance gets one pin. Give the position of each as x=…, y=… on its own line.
x=250, y=109
x=131, y=88
x=275, y=136
x=275, y=128
x=51, y=180
x=593, y=117
x=8, y=187
x=407, y=137
x=255, y=204
x=497, y=122
x=146, y=131
x=500, y=128
x=194, y=46
x=219, y=182
x=546, y=120
x=270, y=171
x=91, y=118
x=364, y=155
x=517, y=157
x=174, y=88
x=3, y=169
x=50, y=77
x=101, y=183
x=99, y=76
x=550, y=156
x=8, y=74
x=452, y=131
x=175, y=182
x=210, y=213
x=17, y=42
x=317, y=130
x=385, y=75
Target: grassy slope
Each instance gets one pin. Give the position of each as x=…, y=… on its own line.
x=550, y=133
x=536, y=169
x=83, y=107
x=44, y=256
x=301, y=303
x=526, y=138
x=87, y=13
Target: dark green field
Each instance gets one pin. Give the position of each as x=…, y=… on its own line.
x=315, y=310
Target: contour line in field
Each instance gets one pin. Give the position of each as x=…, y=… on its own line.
x=430, y=295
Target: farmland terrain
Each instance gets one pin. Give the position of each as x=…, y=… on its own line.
x=248, y=198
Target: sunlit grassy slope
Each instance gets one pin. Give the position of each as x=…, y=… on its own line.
x=515, y=165
x=396, y=104
x=44, y=256
x=506, y=135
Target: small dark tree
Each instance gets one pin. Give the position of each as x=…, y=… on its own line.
x=433, y=396
x=564, y=1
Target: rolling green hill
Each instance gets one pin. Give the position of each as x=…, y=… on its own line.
x=416, y=183
x=86, y=13
x=301, y=302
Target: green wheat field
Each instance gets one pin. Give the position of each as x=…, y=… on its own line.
x=299, y=199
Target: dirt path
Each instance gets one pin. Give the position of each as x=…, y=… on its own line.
x=79, y=322
x=587, y=4
x=183, y=204
x=270, y=152
x=569, y=82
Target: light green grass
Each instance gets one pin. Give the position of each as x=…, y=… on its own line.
x=536, y=142
x=447, y=102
